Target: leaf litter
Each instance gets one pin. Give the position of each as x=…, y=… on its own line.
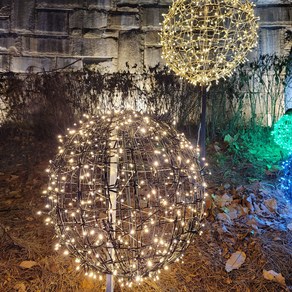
x=248, y=224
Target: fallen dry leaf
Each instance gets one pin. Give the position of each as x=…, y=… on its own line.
x=289, y=226
x=232, y=212
x=249, y=203
x=217, y=148
x=257, y=208
x=235, y=261
x=27, y=264
x=274, y=276
x=253, y=225
x=242, y=211
x=53, y=267
x=208, y=203
x=271, y=204
x=87, y=283
x=223, y=201
x=20, y=287
x=223, y=217
x=264, y=210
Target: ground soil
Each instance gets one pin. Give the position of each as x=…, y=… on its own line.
x=251, y=219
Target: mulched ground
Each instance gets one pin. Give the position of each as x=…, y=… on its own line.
x=252, y=219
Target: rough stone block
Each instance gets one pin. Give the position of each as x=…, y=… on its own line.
x=127, y=2
x=87, y=19
x=125, y=21
x=136, y=2
x=40, y=45
x=76, y=45
x=4, y=3
x=152, y=38
x=152, y=17
x=4, y=24
x=152, y=57
x=76, y=19
x=22, y=15
x=130, y=51
x=4, y=63
x=69, y=63
x=9, y=44
x=101, y=4
x=5, y=8
x=268, y=2
x=98, y=47
x=98, y=33
x=274, y=14
x=165, y=2
x=60, y=3
x=270, y=41
x=94, y=19
x=31, y=64
x=287, y=48
x=126, y=9
x=148, y=2
x=76, y=32
x=52, y=21
x=101, y=65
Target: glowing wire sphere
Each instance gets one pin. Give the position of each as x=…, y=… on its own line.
x=126, y=195
x=204, y=40
x=282, y=132
x=286, y=178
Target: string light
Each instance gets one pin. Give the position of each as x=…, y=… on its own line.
x=282, y=132
x=286, y=178
x=205, y=40
x=126, y=195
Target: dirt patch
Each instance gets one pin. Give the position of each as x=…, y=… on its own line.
x=250, y=219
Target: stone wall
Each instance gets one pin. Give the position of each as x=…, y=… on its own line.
x=275, y=35
x=109, y=35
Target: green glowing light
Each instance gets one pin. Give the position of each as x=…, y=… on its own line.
x=282, y=132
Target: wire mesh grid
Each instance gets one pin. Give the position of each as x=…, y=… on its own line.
x=203, y=41
x=126, y=195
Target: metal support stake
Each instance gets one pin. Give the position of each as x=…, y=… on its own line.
x=202, y=133
x=113, y=199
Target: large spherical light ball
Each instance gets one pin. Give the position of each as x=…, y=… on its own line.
x=204, y=40
x=286, y=178
x=282, y=132
x=126, y=195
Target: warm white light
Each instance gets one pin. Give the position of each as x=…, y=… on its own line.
x=203, y=41
x=157, y=186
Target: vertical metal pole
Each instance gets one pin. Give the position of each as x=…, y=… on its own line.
x=113, y=198
x=202, y=134
x=109, y=283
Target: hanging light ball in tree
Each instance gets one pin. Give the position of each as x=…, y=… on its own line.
x=282, y=132
x=205, y=40
x=126, y=195
x=286, y=178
